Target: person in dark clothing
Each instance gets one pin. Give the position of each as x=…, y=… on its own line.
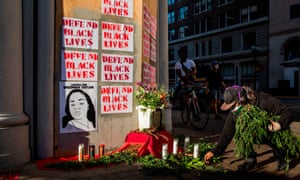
x=186, y=71
x=234, y=98
x=215, y=86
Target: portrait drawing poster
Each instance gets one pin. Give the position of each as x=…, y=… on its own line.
x=78, y=106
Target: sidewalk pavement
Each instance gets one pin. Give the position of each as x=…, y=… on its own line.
x=267, y=165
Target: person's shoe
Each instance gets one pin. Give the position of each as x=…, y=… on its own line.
x=248, y=164
x=282, y=165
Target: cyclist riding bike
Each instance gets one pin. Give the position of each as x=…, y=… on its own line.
x=193, y=109
x=186, y=71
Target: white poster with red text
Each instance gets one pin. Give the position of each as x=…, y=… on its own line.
x=80, y=33
x=79, y=65
x=116, y=68
x=117, y=37
x=116, y=99
x=123, y=8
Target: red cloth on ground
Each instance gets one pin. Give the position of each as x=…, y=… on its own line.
x=151, y=143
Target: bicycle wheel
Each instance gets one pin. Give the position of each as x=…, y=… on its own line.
x=185, y=115
x=200, y=114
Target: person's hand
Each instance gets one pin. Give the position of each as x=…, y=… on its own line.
x=208, y=157
x=274, y=126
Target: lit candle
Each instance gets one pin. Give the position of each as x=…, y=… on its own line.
x=175, y=146
x=101, y=150
x=80, y=152
x=164, y=151
x=196, y=151
x=186, y=143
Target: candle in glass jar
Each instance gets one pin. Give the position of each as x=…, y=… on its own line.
x=80, y=152
x=196, y=151
x=186, y=141
x=101, y=150
x=164, y=151
x=175, y=146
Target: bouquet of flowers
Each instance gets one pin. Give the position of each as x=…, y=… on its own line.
x=152, y=97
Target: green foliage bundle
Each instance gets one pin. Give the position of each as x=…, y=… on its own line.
x=252, y=128
x=104, y=161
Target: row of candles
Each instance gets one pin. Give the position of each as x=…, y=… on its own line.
x=164, y=149
x=176, y=145
x=91, y=150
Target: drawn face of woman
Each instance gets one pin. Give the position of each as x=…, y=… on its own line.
x=78, y=105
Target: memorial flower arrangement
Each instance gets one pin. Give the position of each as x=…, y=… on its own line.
x=152, y=97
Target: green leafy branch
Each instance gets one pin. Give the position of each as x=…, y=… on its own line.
x=252, y=128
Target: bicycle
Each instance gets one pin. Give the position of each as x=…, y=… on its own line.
x=195, y=109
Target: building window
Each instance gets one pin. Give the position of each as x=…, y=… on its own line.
x=171, y=55
x=222, y=2
x=247, y=69
x=183, y=12
x=222, y=21
x=171, y=2
x=249, y=13
x=171, y=34
x=197, y=27
x=182, y=31
x=227, y=45
x=203, y=49
x=209, y=25
x=209, y=5
x=292, y=49
x=196, y=49
x=202, y=6
x=249, y=39
x=226, y=19
x=295, y=11
x=227, y=70
x=197, y=7
x=203, y=26
x=171, y=17
x=209, y=48
x=206, y=25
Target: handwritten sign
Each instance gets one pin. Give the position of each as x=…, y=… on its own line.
x=80, y=33
x=77, y=65
x=149, y=74
x=78, y=106
x=122, y=8
x=116, y=99
x=117, y=68
x=117, y=36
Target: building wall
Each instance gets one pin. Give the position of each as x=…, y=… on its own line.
x=283, y=29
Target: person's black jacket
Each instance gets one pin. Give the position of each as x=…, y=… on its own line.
x=264, y=101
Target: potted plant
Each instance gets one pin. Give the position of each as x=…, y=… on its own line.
x=151, y=100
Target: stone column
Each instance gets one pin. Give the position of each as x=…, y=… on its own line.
x=45, y=79
x=14, y=128
x=163, y=55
